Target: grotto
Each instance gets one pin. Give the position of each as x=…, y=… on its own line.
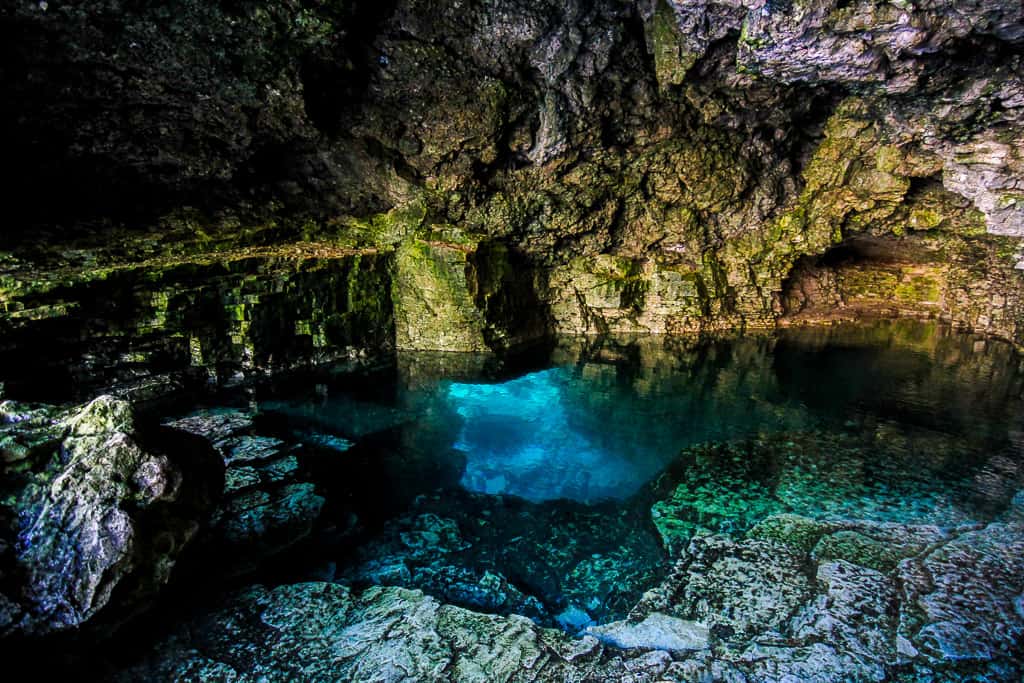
x=512, y=340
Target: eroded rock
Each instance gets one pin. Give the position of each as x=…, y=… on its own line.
x=111, y=515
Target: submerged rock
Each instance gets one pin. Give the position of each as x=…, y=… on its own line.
x=736, y=588
x=261, y=523
x=214, y=425
x=756, y=609
x=557, y=563
x=320, y=632
x=655, y=632
x=266, y=508
x=961, y=602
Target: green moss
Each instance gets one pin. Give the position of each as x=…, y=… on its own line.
x=859, y=549
x=924, y=218
x=800, y=533
x=434, y=308
x=919, y=289
x=888, y=158
x=751, y=42
x=385, y=229
x=672, y=60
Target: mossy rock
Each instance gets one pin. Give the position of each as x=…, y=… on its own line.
x=434, y=307
x=857, y=548
x=795, y=531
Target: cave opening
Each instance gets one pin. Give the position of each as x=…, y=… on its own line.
x=866, y=277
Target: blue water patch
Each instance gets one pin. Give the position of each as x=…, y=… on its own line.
x=519, y=440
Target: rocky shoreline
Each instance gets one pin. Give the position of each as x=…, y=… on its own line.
x=715, y=576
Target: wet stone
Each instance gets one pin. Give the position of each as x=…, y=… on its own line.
x=655, y=632
x=747, y=586
x=329, y=442
x=214, y=425
x=808, y=535
x=239, y=478
x=260, y=523
x=962, y=600
x=247, y=449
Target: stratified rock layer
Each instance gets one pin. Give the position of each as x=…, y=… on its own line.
x=495, y=171
x=719, y=614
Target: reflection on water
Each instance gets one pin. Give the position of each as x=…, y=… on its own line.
x=597, y=419
x=606, y=417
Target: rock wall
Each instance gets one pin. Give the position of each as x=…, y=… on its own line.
x=186, y=321
x=494, y=171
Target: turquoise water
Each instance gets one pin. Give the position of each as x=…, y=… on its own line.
x=520, y=438
x=557, y=484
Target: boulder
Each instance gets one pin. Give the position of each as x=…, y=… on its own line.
x=110, y=519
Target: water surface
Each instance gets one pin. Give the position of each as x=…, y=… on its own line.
x=555, y=484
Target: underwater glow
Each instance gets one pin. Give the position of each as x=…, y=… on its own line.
x=519, y=440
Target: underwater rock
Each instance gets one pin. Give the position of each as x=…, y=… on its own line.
x=320, y=632
x=214, y=425
x=111, y=515
x=748, y=610
x=742, y=588
x=247, y=448
x=253, y=525
x=573, y=619
x=353, y=418
x=327, y=632
x=416, y=553
x=328, y=442
x=961, y=602
x=547, y=560
x=655, y=632
x=473, y=589
x=264, y=510
x=242, y=477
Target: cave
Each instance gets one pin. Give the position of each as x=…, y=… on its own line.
x=578, y=340
x=868, y=278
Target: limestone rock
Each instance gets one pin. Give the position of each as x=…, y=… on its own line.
x=114, y=515
x=214, y=425
x=103, y=415
x=265, y=508
x=656, y=632
x=326, y=632
x=433, y=306
x=864, y=42
x=28, y=432
x=961, y=602
x=745, y=588
x=259, y=523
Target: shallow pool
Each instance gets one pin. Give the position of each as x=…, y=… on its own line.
x=557, y=484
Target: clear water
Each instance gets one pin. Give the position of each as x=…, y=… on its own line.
x=556, y=484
